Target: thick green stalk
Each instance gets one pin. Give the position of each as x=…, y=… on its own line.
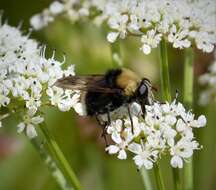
x=51, y=164
x=158, y=177
x=116, y=54
x=164, y=68
x=165, y=83
x=188, y=100
x=188, y=78
x=176, y=179
x=62, y=162
x=165, y=86
x=146, y=179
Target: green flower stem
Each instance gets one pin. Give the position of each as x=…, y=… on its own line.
x=164, y=67
x=51, y=164
x=146, y=179
x=188, y=100
x=158, y=177
x=188, y=78
x=165, y=87
x=62, y=162
x=116, y=54
x=165, y=82
x=176, y=179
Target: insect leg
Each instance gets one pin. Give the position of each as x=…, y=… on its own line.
x=104, y=127
x=108, y=118
x=106, y=124
x=143, y=109
x=104, y=135
x=131, y=120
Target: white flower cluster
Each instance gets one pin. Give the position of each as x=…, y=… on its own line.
x=166, y=130
x=38, y=21
x=182, y=23
x=73, y=9
x=27, y=79
x=209, y=81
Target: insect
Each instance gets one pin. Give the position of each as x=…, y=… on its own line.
x=102, y=94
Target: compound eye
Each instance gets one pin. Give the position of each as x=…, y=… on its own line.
x=142, y=89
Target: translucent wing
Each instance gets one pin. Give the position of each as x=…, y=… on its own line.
x=93, y=83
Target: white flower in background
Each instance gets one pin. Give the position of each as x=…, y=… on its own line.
x=150, y=40
x=29, y=122
x=26, y=75
x=208, y=80
x=179, y=38
x=203, y=41
x=4, y=100
x=56, y=7
x=183, y=23
x=39, y=21
x=166, y=129
x=119, y=23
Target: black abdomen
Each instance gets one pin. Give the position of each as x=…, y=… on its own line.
x=100, y=102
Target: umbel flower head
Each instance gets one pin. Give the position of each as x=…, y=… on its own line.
x=209, y=80
x=182, y=23
x=166, y=129
x=27, y=79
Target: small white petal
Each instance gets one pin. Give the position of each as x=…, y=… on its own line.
x=36, y=22
x=202, y=121
x=112, y=36
x=56, y=7
x=50, y=92
x=118, y=125
x=180, y=125
x=135, y=148
x=112, y=149
x=21, y=127
x=30, y=131
x=146, y=49
x=148, y=164
x=37, y=120
x=122, y=155
x=138, y=161
x=64, y=106
x=187, y=153
x=116, y=137
x=176, y=162
x=80, y=109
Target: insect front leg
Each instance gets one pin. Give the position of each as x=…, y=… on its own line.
x=108, y=118
x=130, y=116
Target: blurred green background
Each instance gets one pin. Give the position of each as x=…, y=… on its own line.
x=85, y=46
